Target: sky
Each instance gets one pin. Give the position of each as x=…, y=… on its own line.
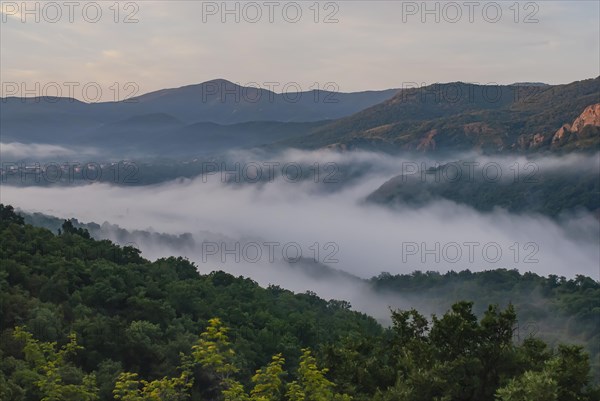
x=96, y=51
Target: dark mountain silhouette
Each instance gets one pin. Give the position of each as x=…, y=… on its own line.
x=214, y=115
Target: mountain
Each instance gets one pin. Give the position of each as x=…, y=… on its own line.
x=549, y=191
x=218, y=101
x=530, y=84
x=170, y=137
x=461, y=116
x=224, y=102
x=219, y=115
x=212, y=116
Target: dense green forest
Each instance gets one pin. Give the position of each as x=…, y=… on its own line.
x=84, y=319
x=552, y=308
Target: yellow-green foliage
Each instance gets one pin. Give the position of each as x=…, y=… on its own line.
x=48, y=362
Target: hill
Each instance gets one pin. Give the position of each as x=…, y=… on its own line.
x=131, y=318
x=460, y=116
x=547, y=191
x=197, y=119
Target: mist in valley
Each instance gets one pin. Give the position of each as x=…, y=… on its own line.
x=317, y=232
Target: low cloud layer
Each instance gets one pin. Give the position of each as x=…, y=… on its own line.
x=333, y=227
x=39, y=152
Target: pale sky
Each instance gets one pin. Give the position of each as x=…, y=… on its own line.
x=373, y=44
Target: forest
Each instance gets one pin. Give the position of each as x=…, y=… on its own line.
x=550, y=192
x=84, y=319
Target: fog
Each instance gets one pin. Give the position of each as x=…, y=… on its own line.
x=40, y=152
x=328, y=224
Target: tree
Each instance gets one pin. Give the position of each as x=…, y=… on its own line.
x=312, y=385
x=52, y=364
x=69, y=228
x=129, y=388
x=8, y=215
x=214, y=353
x=539, y=386
x=268, y=381
x=570, y=369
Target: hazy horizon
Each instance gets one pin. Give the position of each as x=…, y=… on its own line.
x=396, y=42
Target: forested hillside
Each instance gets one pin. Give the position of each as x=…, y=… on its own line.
x=552, y=308
x=84, y=319
x=460, y=116
x=548, y=192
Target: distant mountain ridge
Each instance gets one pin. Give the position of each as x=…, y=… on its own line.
x=218, y=101
x=219, y=115
x=458, y=116
x=209, y=117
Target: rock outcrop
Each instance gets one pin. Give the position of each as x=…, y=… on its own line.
x=590, y=116
x=585, y=125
